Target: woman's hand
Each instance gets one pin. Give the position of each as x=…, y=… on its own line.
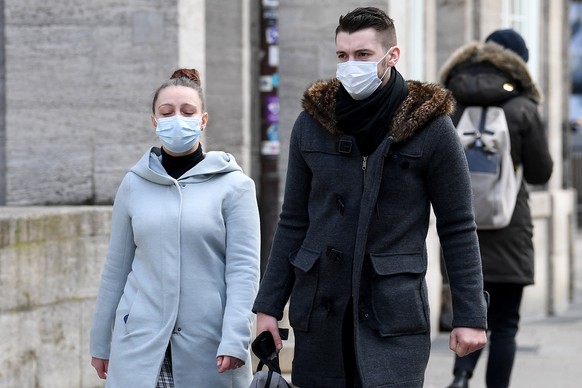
x=225, y=363
x=100, y=366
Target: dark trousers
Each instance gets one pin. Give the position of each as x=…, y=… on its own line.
x=503, y=323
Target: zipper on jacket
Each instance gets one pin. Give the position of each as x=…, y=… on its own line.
x=364, y=166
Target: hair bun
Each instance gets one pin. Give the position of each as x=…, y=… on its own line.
x=191, y=74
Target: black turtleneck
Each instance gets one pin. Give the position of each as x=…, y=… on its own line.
x=176, y=166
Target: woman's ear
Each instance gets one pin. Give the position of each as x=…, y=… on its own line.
x=154, y=123
x=204, y=121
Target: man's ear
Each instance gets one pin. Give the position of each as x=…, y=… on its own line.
x=394, y=56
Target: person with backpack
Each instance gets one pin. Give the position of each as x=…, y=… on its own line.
x=368, y=156
x=488, y=75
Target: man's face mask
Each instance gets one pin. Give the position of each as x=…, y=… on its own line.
x=360, y=78
x=178, y=133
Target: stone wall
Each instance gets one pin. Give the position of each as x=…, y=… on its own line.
x=79, y=81
x=50, y=267
x=80, y=76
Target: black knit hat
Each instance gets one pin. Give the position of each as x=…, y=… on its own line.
x=510, y=40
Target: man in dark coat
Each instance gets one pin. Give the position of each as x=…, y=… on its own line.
x=495, y=74
x=368, y=156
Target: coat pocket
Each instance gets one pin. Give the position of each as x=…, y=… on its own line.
x=125, y=306
x=399, y=295
x=140, y=316
x=130, y=317
x=304, y=289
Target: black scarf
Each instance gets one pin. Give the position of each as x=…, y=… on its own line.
x=368, y=120
x=176, y=166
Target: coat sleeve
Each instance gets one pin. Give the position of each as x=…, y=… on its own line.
x=449, y=187
x=115, y=271
x=243, y=243
x=279, y=277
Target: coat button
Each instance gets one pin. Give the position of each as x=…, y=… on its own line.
x=364, y=312
x=335, y=255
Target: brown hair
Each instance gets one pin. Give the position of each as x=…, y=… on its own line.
x=368, y=17
x=182, y=77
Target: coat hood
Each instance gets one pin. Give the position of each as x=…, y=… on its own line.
x=150, y=167
x=504, y=60
x=424, y=103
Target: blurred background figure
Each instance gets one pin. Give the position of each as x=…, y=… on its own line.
x=495, y=73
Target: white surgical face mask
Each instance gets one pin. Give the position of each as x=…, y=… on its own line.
x=360, y=78
x=178, y=133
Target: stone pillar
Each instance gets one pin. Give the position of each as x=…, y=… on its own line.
x=2, y=109
x=555, y=60
x=454, y=27
x=231, y=78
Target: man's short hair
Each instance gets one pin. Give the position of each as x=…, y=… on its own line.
x=368, y=17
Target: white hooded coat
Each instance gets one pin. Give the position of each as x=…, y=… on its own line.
x=182, y=269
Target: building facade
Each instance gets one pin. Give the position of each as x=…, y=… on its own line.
x=76, y=83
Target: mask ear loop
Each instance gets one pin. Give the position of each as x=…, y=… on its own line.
x=387, y=67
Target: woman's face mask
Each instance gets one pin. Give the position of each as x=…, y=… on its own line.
x=360, y=78
x=178, y=133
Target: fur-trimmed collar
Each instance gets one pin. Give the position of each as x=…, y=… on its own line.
x=424, y=103
x=502, y=58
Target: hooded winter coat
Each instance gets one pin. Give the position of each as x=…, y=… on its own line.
x=487, y=74
x=182, y=269
x=354, y=228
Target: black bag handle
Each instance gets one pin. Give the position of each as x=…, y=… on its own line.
x=264, y=348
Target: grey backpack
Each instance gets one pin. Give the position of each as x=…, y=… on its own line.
x=494, y=178
x=268, y=379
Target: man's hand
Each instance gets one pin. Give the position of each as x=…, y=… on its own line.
x=268, y=323
x=465, y=340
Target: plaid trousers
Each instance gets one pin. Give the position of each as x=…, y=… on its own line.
x=166, y=379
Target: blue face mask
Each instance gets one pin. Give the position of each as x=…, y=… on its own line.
x=178, y=133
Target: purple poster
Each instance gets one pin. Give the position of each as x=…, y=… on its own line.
x=272, y=109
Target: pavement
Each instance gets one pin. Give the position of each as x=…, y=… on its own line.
x=549, y=351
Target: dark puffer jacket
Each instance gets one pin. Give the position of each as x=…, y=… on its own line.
x=486, y=74
x=354, y=227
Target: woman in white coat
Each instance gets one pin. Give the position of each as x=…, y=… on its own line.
x=182, y=270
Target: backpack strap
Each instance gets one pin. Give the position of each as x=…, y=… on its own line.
x=269, y=377
x=270, y=372
x=482, y=120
